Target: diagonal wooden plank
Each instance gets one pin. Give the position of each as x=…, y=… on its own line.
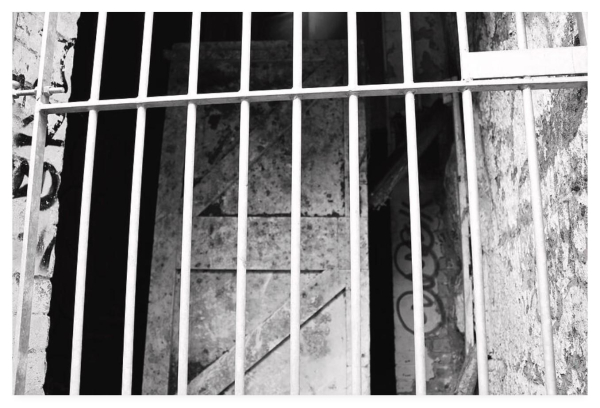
x=272, y=332
x=215, y=176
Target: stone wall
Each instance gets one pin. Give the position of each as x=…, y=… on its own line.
x=513, y=321
x=27, y=40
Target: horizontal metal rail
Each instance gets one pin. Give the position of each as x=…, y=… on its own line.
x=526, y=62
x=320, y=93
x=48, y=90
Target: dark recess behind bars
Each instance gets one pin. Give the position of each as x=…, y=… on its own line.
x=111, y=197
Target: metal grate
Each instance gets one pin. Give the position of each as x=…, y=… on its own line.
x=526, y=71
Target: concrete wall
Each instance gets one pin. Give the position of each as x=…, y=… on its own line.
x=513, y=322
x=325, y=230
x=27, y=42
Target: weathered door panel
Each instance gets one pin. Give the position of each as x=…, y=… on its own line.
x=325, y=264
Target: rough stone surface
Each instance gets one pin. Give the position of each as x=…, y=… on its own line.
x=325, y=226
x=512, y=318
x=26, y=54
x=41, y=294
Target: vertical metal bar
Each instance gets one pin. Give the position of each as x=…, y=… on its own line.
x=240, y=309
x=84, y=224
x=538, y=224
x=295, y=210
x=354, y=170
x=464, y=221
x=415, y=209
x=14, y=25
x=32, y=210
x=188, y=206
x=134, y=214
x=582, y=27
x=479, y=296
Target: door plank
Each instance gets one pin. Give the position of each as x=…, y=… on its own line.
x=269, y=334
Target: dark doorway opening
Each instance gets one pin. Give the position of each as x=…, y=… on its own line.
x=111, y=195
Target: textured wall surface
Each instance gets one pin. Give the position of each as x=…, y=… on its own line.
x=27, y=42
x=513, y=321
x=325, y=228
x=443, y=341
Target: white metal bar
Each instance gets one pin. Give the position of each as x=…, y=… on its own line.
x=582, y=27
x=188, y=206
x=354, y=173
x=479, y=298
x=464, y=221
x=295, y=210
x=407, y=59
x=506, y=84
x=524, y=62
x=415, y=209
x=134, y=215
x=14, y=24
x=50, y=90
x=240, y=308
x=538, y=224
x=32, y=209
x=478, y=284
x=86, y=199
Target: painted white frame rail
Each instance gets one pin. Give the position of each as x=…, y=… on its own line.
x=503, y=84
